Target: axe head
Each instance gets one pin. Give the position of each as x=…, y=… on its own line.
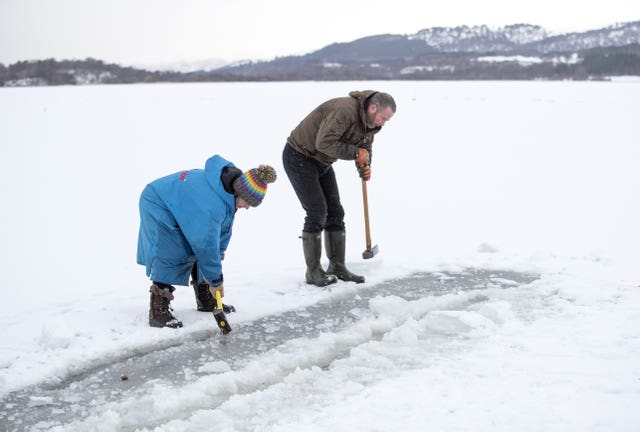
x=370, y=252
x=218, y=314
x=221, y=320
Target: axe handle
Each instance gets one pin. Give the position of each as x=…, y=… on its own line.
x=218, y=299
x=365, y=202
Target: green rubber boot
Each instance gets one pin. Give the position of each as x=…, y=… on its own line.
x=312, y=247
x=335, y=244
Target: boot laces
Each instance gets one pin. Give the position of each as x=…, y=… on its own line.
x=165, y=307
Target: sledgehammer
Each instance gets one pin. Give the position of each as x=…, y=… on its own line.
x=369, y=252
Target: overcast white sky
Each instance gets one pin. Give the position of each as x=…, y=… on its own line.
x=155, y=31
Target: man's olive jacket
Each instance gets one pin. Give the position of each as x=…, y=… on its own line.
x=335, y=129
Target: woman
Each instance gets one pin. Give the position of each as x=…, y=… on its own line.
x=185, y=227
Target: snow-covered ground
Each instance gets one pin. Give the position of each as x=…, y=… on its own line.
x=530, y=177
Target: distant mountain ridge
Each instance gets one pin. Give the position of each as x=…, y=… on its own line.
x=525, y=37
x=616, y=35
x=480, y=38
x=462, y=53
x=518, y=51
x=516, y=38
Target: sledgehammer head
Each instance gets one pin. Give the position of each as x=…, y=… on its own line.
x=370, y=252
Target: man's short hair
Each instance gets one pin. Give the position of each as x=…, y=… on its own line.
x=383, y=100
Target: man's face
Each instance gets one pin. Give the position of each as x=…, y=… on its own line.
x=377, y=117
x=241, y=203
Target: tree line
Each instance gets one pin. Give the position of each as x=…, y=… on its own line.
x=596, y=63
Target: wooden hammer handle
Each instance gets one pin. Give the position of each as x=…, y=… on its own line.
x=365, y=202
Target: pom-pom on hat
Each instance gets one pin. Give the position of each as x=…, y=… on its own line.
x=251, y=185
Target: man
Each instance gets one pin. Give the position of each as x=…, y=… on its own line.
x=185, y=228
x=340, y=128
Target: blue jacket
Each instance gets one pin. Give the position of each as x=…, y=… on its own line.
x=184, y=217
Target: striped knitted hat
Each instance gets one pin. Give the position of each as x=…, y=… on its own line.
x=251, y=185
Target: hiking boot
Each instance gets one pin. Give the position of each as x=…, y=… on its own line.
x=160, y=308
x=204, y=299
x=312, y=247
x=335, y=243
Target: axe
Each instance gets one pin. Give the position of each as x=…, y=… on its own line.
x=218, y=312
x=369, y=252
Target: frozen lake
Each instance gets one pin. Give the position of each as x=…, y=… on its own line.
x=529, y=187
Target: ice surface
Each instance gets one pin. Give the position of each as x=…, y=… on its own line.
x=508, y=178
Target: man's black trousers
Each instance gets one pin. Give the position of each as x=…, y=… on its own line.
x=317, y=189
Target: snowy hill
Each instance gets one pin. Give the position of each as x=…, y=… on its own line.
x=460, y=53
x=526, y=37
x=480, y=38
x=184, y=66
x=612, y=36
x=435, y=53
